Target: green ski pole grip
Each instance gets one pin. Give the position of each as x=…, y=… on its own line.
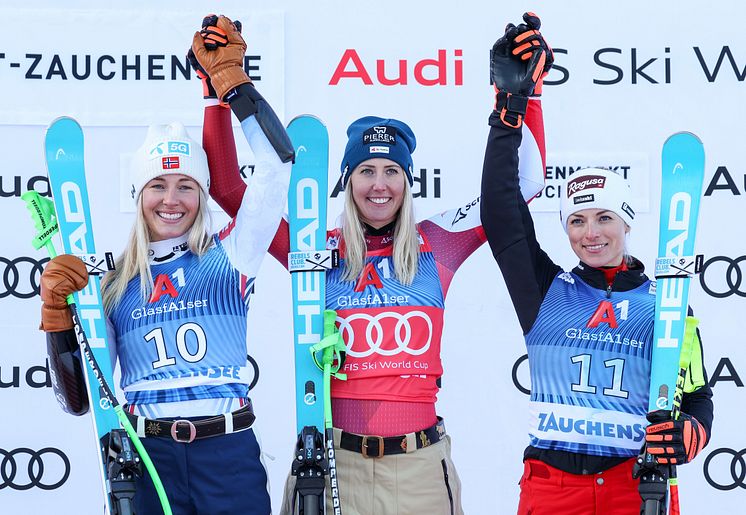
x=687, y=344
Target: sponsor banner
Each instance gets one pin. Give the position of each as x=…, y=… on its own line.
x=633, y=166
x=586, y=425
x=139, y=59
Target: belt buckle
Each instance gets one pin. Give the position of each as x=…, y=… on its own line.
x=192, y=431
x=364, y=447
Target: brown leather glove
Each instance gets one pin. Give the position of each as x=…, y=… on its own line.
x=62, y=276
x=224, y=64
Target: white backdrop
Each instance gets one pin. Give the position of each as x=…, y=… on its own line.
x=626, y=77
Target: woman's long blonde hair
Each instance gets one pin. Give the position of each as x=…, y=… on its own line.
x=134, y=260
x=406, y=241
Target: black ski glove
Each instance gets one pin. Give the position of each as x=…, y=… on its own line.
x=519, y=61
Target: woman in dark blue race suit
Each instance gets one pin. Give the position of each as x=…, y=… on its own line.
x=588, y=332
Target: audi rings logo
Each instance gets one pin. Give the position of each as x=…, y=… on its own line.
x=722, y=276
x=521, y=377
x=24, y=468
x=402, y=326
x=21, y=276
x=721, y=473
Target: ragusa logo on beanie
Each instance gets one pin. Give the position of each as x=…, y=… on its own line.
x=588, y=181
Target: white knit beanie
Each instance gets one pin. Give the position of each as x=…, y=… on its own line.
x=595, y=188
x=168, y=149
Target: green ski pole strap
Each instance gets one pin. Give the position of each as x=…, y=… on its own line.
x=45, y=220
x=149, y=465
x=331, y=346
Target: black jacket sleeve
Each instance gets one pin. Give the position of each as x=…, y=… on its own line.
x=66, y=367
x=527, y=269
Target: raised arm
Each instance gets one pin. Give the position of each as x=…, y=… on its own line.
x=259, y=124
x=520, y=59
x=226, y=185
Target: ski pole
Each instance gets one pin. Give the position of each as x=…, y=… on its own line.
x=42, y=213
x=685, y=358
x=333, y=354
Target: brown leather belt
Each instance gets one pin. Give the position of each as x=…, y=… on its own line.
x=379, y=446
x=187, y=430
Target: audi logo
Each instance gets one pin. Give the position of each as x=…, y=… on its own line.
x=726, y=279
x=255, y=367
x=45, y=469
x=516, y=372
x=373, y=327
x=21, y=276
x=736, y=468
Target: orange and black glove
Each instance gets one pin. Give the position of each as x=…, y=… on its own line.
x=213, y=35
x=525, y=40
x=219, y=50
x=674, y=442
x=62, y=276
x=213, y=38
x=207, y=90
x=519, y=61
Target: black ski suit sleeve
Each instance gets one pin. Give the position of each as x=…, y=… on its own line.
x=527, y=269
x=66, y=368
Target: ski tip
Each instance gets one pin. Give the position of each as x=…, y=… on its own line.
x=309, y=117
x=683, y=135
x=63, y=140
x=64, y=121
x=681, y=144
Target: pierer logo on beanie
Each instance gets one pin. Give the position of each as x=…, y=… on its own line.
x=581, y=183
x=380, y=134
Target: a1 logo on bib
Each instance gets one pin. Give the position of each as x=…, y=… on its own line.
x=604, y=314
x=164, y=286
x=368, y=277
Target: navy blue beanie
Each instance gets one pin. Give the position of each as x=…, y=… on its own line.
x=371, y=137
